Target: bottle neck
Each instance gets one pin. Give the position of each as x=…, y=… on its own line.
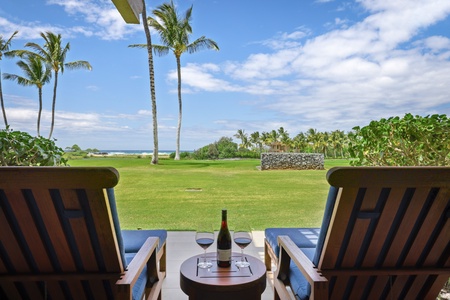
x=224, y=219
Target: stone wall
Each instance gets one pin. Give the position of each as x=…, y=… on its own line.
x=293, y=161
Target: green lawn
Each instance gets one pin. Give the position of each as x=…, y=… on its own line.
x=158, y=196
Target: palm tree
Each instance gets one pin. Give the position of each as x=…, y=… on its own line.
x=284, y=138
x=174, y=32
x=37, y=73
x=4, y=46
x=266, y=139
x=300, y=142
x=54, y=54
x=337, y=142
x=243, y=137
x=313, y=138
x=255, y=138
x=149, y=47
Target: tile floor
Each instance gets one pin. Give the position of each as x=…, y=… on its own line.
x=181, y=245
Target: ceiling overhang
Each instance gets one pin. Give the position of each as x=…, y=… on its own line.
x=129, y=10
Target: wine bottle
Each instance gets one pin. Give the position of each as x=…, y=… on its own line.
x=224, y=243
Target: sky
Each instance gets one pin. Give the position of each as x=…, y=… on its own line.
x=297, y=64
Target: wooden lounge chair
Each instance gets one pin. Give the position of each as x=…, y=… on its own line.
x=385, y=235
x=60, y=238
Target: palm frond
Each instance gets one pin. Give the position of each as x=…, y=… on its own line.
x=202, y=43
x=79, y=64
x=160, y=50
x=138, y=46
x=4, y=45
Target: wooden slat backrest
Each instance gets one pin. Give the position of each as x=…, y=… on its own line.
x=388, y=223
x=56, y=227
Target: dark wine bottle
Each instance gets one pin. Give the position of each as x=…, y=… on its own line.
x=224, y=243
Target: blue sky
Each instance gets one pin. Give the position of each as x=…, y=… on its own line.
x=319, y=64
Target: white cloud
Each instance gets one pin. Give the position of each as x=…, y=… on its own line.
x=101, y=15
x=373, y=68
x=200, y=77
x=27, y=30
x=101, y=19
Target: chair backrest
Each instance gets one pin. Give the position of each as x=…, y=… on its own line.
x=389, y=233
x=58, y=237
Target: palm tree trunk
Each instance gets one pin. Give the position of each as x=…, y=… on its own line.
x=39, y=113
x=53, y=104
x=2, y=102
x=152, y=85
x=180, y=111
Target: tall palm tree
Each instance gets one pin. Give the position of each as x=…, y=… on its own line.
x=37, y=73
x=174, y=32
x=4, y=47
x=149, y=47
x=54, y=54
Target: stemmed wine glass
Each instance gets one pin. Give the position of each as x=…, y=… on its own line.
x=242, y=236
x=204, y=238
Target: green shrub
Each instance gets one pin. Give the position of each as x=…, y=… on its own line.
x=408, y=141
x=18, y=148
x=224, y=148
x=245, y=153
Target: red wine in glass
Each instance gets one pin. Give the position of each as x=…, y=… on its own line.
x=242, y=242
x=242, y=236
x=204, y=238
x=205, y=242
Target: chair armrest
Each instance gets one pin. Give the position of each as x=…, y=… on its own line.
x=145, y=256
x=289, y=251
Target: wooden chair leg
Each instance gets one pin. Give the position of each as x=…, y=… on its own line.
x=162, y=259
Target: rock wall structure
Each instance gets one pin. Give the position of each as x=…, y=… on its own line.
x=292, y=161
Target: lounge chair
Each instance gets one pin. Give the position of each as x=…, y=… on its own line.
x=385, y=235
x=60, y=238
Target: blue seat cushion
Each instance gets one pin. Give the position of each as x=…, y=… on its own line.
x=139, y=286
x=130, y=241
x=302, y=237
x=134, y=239
x=299, y=285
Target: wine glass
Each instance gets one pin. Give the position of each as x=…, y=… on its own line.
x=204, y=238
x=242, y=236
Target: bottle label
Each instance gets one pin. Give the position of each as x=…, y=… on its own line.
x=224, y=255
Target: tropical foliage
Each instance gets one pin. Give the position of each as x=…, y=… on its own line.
x=19, y=148
x=36, y=74
x=408, y=141
x=52, y=54
x=174, y=31
x=332, y=144
x=4, y=47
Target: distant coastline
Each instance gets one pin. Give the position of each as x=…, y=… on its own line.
x=136, y=152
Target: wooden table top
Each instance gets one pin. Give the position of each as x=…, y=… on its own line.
x=226, y=279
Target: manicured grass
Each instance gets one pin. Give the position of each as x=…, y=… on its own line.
x=167, y=196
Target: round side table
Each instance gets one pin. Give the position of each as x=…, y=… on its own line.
x=223, y=283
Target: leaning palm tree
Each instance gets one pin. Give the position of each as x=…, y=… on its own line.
x=54, y=54
x=4, y=47
x=37, y=73
x=174, y=32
